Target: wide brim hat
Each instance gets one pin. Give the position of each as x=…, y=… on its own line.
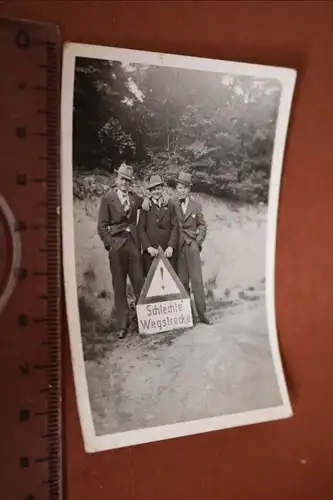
x=125, y=171
x=155, y=180
x=184, y=178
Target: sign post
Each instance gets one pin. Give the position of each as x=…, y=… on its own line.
x=164, y=304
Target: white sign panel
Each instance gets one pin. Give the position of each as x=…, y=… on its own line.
x=164, y=316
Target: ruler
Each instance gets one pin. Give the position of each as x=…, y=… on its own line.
x=30, y=416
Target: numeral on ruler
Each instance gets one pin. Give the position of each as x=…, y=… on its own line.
x=34, y=322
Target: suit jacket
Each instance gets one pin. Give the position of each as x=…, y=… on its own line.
x=112, y=220
x=192, y=225
x=158, y=226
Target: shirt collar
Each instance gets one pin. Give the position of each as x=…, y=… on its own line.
x=122, y=195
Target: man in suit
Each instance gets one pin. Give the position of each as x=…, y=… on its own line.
x=192, y=233
x=158, y=225
x=117, y=228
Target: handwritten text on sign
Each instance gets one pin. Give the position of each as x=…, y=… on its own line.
x=164, y=316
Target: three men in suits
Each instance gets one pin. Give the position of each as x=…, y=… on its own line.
x=177, y=226
x=117, y=228
x=192, y=233
x=158, y=225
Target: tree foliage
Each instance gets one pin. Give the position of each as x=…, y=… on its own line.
x=219, y=127
x=104, y=124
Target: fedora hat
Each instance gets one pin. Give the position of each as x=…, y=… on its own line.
x=155, y=180
x=184, y=178
x=125, y=171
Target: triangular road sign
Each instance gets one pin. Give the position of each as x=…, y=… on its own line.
x=164, y=304
x=162, y=283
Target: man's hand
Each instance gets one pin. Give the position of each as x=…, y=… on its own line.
x=168, y=252
x=152, y=251
x=146, y=204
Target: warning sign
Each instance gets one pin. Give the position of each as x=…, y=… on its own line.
x=162, y=283
x=164, y=303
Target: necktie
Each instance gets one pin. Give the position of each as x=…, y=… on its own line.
x=126, y=205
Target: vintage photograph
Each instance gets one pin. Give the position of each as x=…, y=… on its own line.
x=171, y=171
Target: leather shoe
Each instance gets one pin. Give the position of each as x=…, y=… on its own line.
x=204, y=319
x=122, y=334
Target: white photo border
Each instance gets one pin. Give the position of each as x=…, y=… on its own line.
x=287, y=79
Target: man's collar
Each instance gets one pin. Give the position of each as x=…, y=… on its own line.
x=122, y=194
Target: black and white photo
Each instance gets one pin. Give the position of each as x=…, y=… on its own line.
x=171, y=172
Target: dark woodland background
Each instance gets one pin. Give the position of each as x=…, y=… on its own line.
x=219, y=127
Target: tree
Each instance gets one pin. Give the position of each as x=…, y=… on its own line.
x=105, y=131
x=219, y=127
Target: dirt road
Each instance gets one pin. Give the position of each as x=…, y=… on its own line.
x=202, y=372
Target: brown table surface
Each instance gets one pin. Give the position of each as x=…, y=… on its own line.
x=264, y=461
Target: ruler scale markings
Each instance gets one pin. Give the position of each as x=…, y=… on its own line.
x=53, y=259
x=31, y=45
